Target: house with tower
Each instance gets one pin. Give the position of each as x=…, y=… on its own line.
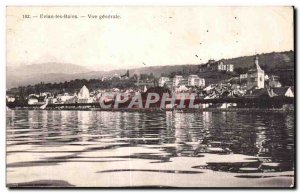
x=256, y=76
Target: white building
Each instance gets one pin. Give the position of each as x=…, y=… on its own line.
x=200, y=82
x=221, y=67
x=162, y=81
x=84, y=93
x=191, y=79
x=84, y=96
x=225, y=67
x=256, y=76
x=229, y=67
x=176, y=80
x=10, y=99
x=243, y=76
x=32, y=101
x=194, y=80
x=273, y=82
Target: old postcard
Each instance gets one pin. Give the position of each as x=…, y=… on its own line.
x=185, y=97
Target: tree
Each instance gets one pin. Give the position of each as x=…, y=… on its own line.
x=173, y=74
x=239, y=70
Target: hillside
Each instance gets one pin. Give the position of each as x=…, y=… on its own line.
x=57, y=72
x=35, y=73
x=46, y=68
x=271, y=60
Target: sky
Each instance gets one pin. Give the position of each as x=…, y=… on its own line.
x=145, y=36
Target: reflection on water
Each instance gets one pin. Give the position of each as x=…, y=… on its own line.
x=228, y=142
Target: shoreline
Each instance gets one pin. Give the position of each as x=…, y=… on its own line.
x=185, y=110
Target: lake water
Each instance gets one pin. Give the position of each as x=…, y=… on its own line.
x=165, y=149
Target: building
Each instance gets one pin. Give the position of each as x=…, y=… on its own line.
x=273, y=82
x=183, y=81
x=169, y=84
x=243, y=80
x=162, y=81
x=256, y=76
x=194, y=80
x=191, y=79
x=176, y=80
x=229, y=67
x=257, y=93
x=64, y=98
x=225, y=67
x=243, y=76
x=33, y=101
x=50, y=100
x=200, y=82
x=213, y=65
x=84, y=93
x=282, y=91
x=10, y=99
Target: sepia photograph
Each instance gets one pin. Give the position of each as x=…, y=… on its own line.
x=150, y=97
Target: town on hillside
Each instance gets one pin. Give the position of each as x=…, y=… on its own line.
x=255, y=83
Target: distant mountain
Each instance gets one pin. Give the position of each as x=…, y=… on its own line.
x=35, y=73
x=60, y=72
x=46, y=68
